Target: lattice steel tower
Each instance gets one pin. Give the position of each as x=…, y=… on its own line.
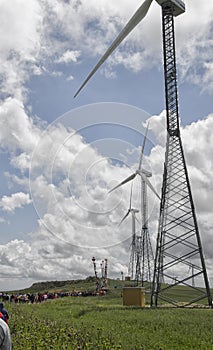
x=134, y=250
x=178, y=241
x=147, y=258
x=133, y=259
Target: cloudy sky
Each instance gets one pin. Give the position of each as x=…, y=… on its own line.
x=60, y=156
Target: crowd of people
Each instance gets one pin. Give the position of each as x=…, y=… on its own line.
x=39, y=297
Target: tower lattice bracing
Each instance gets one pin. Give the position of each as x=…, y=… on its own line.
x=178, y=242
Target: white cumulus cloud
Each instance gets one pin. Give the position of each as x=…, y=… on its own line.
x=69, y=56
x=16, y=200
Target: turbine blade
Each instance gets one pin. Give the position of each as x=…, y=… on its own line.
x=135, y=19
x=130, y=201
x=142, y=148
x=125, y=216
x=149, y=184
x=131, y=177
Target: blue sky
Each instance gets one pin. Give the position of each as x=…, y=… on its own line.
x=60, y=155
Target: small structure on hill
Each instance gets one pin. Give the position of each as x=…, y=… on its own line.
x=101, y=283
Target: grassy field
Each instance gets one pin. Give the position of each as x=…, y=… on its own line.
x=102, y=322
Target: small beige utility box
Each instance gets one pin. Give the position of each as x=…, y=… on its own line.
x=134, y=296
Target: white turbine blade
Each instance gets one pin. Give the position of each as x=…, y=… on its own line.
x=149, y=184
x=135, y=19
x=143, y=146
x=125, y=216
x=131, y=177
x=130, y=201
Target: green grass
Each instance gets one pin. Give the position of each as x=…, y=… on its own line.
x=104, y=323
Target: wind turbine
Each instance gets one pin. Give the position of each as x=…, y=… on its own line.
x=143, y=255
x=147, y=257
x=132, y=211
x=144, y=174
x=178, y=238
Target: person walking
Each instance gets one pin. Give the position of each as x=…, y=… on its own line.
x=5, y=339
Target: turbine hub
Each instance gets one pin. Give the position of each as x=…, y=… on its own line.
x=145, y=172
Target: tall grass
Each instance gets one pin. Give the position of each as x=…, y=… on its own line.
x=104, y=323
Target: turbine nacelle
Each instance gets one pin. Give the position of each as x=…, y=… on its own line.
x=145, y=172
x=134, y=210
x=179, y=6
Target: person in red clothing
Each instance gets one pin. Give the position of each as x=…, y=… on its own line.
x=4, y=312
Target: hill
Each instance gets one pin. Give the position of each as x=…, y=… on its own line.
x=89, y=283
